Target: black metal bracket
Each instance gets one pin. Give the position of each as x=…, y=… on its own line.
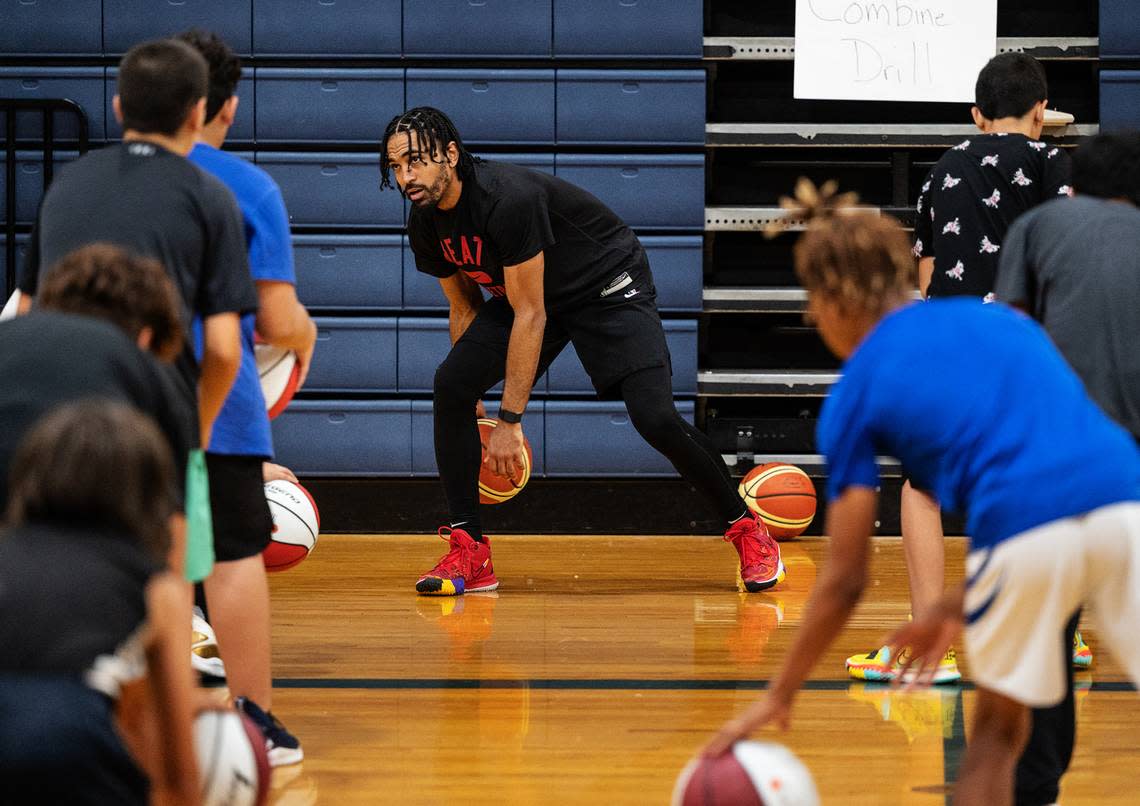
x=9, y=107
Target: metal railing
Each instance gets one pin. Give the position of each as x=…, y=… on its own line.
x=47, y=107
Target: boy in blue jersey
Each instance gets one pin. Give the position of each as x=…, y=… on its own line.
x=237, y=458
x=1007, y=435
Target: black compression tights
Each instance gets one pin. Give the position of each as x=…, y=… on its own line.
x=649, y=401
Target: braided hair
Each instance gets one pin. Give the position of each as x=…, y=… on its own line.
x=861, y=260
x=434, y=130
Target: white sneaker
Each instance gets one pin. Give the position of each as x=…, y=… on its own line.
x=204, y=655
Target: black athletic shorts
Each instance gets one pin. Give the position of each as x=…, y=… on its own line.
x=242, y=523
x=615, y=334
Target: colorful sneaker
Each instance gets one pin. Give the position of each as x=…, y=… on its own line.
x=281, y=745
x=466, y=568
x=204, y=655
x=760, y=564
x=874, y=666
x=879, y=667
x=1082, y=655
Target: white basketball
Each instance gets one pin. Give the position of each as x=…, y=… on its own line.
x=232, y=760
x=296, y=525
x=761, y=773
x=279, y=372
x=11, y=306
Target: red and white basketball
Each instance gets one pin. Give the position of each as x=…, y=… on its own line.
x=232, y=760
x=782, y=496
x=296, y=525
x=493, y=488
x=751, y=774
x=279, y=373
x=11, y=306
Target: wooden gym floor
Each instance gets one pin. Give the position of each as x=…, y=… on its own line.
x=598, y=668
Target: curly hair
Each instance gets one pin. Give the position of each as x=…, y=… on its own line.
x=433, y=130
x=96, y=464
x=849, y=254
x=131, y=292
x=224, y=64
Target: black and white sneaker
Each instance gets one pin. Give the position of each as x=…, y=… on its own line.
x=282, y=746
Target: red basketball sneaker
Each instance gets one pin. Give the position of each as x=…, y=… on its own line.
x=760, y=564
x=466, y=568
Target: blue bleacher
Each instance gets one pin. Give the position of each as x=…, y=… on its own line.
x=29, y=183
x=52, y=28
x=1119, y=29
x=622, y=107
x=628, y=28
x=594, y=438
x=84, y=85
x=333, y=189
x=21, y=249
x=504, y=28
x=349, y=272
x=326, y=106
x=511, y=107
x=345, y=437
x=331, y=29
x=354, y=354
x=128, y=22
x=677, y=262
x=1119, y=100
x=651, y=192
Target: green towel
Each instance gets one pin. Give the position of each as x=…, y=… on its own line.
x=199, y=519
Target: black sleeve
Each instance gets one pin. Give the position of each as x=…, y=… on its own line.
x=28, y=274
x=923, y=226
x=426, y=247
x=1016, y=283
x=1057, y=174
x=226, y=285
x=519, y=225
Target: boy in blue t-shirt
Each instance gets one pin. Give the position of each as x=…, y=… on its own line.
x=241, y=446
x=1007, y=435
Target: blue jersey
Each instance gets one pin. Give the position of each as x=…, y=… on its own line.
x=981, y=410
x=242, y=427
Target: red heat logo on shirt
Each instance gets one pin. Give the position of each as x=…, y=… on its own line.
x=469, y=257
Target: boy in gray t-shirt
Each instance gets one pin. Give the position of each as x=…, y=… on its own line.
x=1074, y=265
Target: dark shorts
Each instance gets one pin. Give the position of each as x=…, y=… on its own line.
x=614, y=335
x=59, y=744
x=242, y=523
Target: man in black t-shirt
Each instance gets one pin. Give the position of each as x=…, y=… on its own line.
x=560, y=268
x=146, y=196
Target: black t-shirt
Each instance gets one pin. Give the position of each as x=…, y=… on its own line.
x=48, y=359
x=509, y=214
x=971, y=197
x=159, y=205
x=73, y=601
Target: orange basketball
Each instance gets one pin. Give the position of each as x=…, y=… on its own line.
x=782, y=495
x=493, y=488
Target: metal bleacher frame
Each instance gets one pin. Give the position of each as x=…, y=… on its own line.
x=9, y=108
x=722, y=300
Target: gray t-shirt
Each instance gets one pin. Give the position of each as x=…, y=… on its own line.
x=1074, y=265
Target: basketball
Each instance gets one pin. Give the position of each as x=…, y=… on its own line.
x=782, y=495
x=232, y=760
x=296, y=525
x=494, y=489
x=751, y=774
x=279, y=373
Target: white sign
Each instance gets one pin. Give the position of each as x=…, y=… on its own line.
x=893, y=50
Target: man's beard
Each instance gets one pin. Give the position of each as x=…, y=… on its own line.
x=432, y=194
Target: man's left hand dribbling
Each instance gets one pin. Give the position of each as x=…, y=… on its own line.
x=505, y=450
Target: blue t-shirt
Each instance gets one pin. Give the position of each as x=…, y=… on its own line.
x=242, y=427
x=983, y=411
